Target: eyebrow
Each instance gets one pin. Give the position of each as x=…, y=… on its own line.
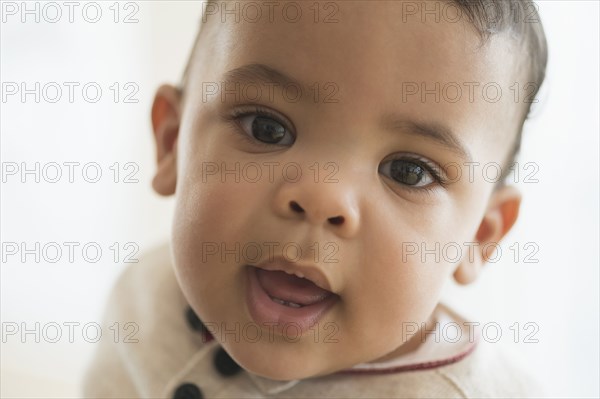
x=260, y=73
x=429, y=130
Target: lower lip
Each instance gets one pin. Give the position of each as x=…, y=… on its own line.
x=281, y=318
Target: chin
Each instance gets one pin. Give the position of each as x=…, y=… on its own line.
x=275, y=366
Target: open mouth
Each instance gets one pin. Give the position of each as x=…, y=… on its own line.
x=275, y=297
x=289, y=289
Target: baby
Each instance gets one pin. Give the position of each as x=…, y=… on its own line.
x=320, y=153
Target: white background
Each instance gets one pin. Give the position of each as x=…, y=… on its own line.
x=560, y=213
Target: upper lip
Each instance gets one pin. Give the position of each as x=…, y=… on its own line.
x=307, y=271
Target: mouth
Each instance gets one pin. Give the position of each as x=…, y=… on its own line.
x=277, y=298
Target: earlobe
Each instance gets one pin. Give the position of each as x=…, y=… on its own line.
x=499, y=218
x=468, y=270
x=165, y=125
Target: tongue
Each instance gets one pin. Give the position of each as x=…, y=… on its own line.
x=290, y=288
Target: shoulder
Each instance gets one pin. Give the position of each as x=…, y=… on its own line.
x=154, y=266
x=147, y=292
x=492, y=371
x=146, y=333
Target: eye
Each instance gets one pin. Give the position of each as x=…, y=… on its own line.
x=409, y=172
x=265, y=128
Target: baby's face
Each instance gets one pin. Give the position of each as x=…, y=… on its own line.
x=344, y=182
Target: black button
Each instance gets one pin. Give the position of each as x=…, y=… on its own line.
x=194, y=321
x=224, y=364
x=188, y=391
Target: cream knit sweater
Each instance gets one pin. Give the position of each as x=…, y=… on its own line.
x=173, y=360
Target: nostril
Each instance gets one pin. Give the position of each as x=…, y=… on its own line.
x=336, y=220
x=296, y=207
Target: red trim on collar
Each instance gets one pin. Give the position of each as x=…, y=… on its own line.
x=207, y=336
x=413, y=367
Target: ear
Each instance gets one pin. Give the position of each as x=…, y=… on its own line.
x=501, y=215
x=166, y=116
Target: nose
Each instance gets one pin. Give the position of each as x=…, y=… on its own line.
x=328, y=204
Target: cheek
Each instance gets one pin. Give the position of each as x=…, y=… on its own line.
x=210, y=217
x=387, y=304
x=394, y=291
x=394, y=284
x=217, y=212
x=206, y=233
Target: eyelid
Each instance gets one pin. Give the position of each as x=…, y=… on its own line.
x=438, y=174
x=238, y=113
x=254, y=109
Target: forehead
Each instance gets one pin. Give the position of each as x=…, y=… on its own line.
x=380, y=58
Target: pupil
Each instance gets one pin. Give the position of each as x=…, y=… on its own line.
x=407, y=173
x=267, y=130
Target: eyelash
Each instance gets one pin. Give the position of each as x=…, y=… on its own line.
x=237, y=114
x=429, y=166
